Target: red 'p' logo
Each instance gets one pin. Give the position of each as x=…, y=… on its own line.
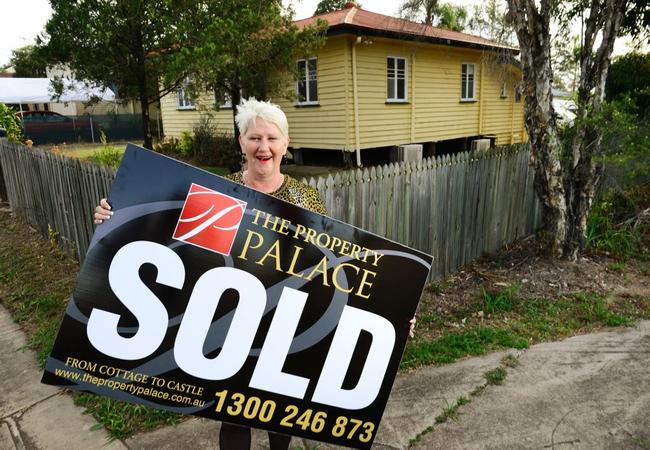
x=209, y=219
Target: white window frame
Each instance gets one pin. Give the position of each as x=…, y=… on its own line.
x=183, y=102
x=305, y=77
x=464, y=82
x=504, y=89
x=396, y=79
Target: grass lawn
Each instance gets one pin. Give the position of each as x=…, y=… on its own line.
x=83, y=150
x=88, y=151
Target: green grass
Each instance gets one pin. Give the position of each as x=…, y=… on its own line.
x=436, y=287
x=36, y=279
x=499, y=301
x=529, y=321
x=510, y=361
x=420, y=435
x=617, y=266
x=496, y=376
x=475, y=341
x=122, y=419
x=642, y=442
x=451, y=411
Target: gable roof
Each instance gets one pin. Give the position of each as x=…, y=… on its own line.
x=354, y=20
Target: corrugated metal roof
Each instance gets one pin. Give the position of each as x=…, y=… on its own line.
x=353, y=17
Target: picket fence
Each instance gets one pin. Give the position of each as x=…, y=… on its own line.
x=454, y=207
x=55, y=194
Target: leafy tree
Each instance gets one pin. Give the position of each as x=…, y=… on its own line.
x=10, y=123
x=565, y=181
x=413, y=9
x=325, y=6
x=452, y=17
x=449, y=16
x=119, y=44
x=566, y=60
x=490, y=20
x=27, y=63
x=630, y=75
x=636, y=22
x=246, y=48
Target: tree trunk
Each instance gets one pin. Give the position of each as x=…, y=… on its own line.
x=532, y=29
x=565, y=185
x=583, y=174
x=146, y=129
x=235, y=96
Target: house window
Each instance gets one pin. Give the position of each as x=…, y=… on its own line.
x=467, y=82
x=517, y=93
x=395, y=79
x=307, y=83
x=504, y=90
x=222, y=99
x=183, y=99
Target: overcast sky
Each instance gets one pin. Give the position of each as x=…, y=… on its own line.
x=22, y=20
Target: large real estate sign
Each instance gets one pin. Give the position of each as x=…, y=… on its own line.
x=204, y=297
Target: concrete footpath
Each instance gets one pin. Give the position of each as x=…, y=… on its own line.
x=590, y=392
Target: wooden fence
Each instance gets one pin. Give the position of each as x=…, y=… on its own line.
x=453, y=207
x=55, y=194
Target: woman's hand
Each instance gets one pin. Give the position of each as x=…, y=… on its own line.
x=102, y=212
x=412, y=328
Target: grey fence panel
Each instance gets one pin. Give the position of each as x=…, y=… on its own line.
x=56, y=195
x=453, y=207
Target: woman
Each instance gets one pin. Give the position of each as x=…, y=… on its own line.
x=264, y=139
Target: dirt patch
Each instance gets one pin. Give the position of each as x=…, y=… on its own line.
x=522, y=266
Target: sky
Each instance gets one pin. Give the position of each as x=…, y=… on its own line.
x=22, y=20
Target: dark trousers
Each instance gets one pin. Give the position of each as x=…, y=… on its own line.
x=237, y=437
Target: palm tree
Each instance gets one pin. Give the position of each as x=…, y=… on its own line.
x=410, y=9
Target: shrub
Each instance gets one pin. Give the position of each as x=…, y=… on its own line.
x=612, y=225
x=168, y=146
x=11, y=123
x=107, y=155
x=186, y=144
x=214, y=148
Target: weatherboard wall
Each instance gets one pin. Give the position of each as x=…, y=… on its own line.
x=432, y=112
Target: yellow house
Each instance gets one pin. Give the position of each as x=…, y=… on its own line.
x=380, y=82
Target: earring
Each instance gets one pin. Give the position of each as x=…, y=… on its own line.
x=243, y=158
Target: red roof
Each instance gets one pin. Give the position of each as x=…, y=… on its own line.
x=352, y=17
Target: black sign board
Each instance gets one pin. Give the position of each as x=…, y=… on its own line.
x=204, y=297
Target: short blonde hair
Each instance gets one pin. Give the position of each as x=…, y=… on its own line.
x=251, y=109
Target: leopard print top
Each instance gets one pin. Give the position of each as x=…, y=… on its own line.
x=292, y=191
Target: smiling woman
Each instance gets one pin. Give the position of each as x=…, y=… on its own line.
x=264, y=140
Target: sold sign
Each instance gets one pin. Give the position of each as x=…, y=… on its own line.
x=204, y=297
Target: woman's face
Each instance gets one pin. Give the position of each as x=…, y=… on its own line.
x=264, y=146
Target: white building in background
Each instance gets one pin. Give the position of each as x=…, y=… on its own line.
x=29, y=94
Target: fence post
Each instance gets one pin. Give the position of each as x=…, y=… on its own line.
x=3, y=187
x=92, y=132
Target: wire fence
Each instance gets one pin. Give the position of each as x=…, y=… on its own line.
x=44, y=127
